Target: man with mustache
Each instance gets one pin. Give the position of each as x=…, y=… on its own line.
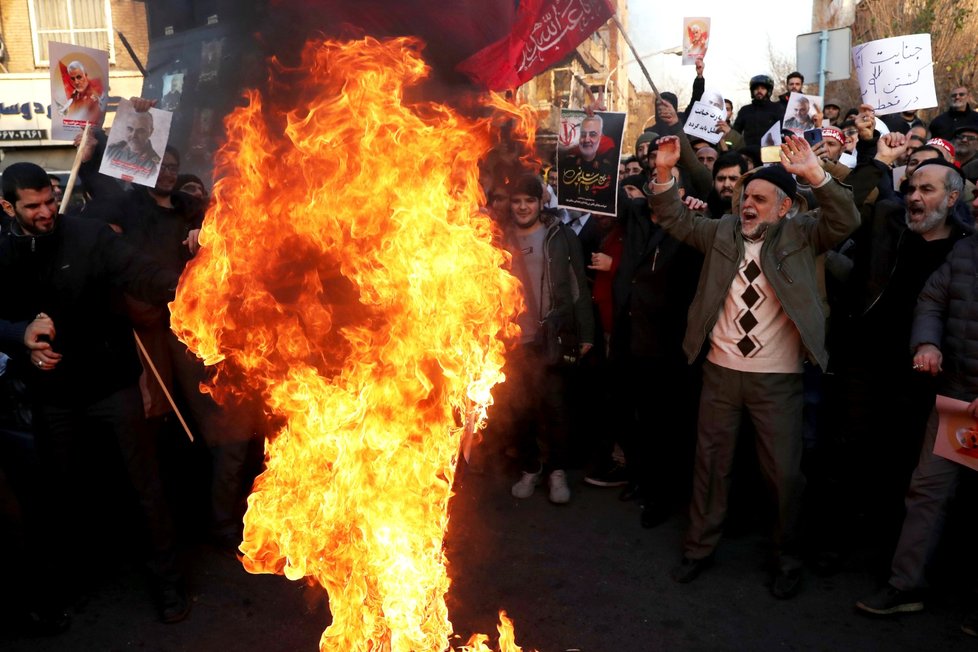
x=897, y=247
x=758, y=314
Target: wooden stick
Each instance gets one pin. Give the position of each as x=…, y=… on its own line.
x=66, y=197
x=152, y=367
x=631, y=45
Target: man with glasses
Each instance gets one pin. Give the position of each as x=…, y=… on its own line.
x=965, y=150
x=959, y=114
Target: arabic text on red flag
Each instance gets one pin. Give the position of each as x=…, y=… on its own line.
x=545, y=32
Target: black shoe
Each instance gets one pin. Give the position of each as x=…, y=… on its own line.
x=787, y=584
x=613, y=476
x=891, y=600
x=631, y=491
x=653, y=515
x=174, y=605
x=689, y=569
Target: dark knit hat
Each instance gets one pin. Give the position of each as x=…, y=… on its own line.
x=670, y=98
x=780, y=177
x=647, y=136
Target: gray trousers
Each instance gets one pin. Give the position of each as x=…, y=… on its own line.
x=933, y=484
x=774, y=403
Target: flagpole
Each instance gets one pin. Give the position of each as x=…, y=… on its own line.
x=621, y=28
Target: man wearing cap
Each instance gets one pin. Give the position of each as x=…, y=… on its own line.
x=642, y=146
x=897, y=247
x=833, y=113
x=758, y=312
x=958, y=114
x=944, y=147
x=965, y=149
x=754, y=119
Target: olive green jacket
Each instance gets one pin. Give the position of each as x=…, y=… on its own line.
x=787, y=260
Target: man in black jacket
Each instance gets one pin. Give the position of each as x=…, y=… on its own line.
x=756, y=118
x=958, y=114
x=58, y=322
x=163, y=224
x=895, y=250
x=942, y=340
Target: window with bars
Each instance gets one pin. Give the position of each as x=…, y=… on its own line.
x=80, y=22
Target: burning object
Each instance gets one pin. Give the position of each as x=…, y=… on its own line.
x=347, y=278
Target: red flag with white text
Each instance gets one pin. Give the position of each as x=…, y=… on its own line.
x=544, y=33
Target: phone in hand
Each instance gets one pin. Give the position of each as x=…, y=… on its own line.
x=813, y=136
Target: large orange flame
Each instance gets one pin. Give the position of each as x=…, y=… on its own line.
x=348, y=279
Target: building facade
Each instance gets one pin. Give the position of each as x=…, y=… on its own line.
x=26, y=27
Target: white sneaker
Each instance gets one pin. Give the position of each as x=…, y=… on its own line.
x=524, y=488
x=559, y=491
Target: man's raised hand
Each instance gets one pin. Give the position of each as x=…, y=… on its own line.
x=891, y=146
x=798, y=158
x=666, y=158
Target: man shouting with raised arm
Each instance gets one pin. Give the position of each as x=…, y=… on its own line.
x=758, y=307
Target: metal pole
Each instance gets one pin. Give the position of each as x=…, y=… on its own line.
x=823, y=55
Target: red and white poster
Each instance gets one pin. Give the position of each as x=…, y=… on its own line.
x=79, y=88
x=696, y=39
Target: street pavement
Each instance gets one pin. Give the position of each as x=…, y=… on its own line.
x=582, y=576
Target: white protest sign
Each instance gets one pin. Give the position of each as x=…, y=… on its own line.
x=896, y=74
x=702, y=122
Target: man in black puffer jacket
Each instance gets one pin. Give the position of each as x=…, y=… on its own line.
x=754, y=119
x=943, y=342
x=59, y=322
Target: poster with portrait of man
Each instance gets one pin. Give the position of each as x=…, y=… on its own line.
x=588, y=151
x=799, y=115
x=136, y=143
x=172, y=90
x=79, y=88
x=696, y=39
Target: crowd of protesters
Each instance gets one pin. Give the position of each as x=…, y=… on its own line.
x=817, y=306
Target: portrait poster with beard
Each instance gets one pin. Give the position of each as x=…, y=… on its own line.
x=79, y=88
x=588, y=151
x=137, y=140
